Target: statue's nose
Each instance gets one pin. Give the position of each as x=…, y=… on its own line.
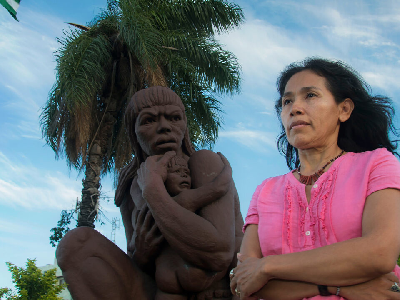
x=163, y=125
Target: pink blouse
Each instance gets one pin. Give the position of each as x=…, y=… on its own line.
x=287, y=223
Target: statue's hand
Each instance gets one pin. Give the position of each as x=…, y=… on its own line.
x=154, y=166
x=147, y=238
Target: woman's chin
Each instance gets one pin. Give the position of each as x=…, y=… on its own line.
x=301, y=144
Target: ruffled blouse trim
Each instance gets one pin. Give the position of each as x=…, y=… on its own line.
x=319, y=207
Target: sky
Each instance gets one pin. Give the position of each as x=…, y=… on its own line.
x=35, y=186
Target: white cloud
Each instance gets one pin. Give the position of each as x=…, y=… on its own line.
x=26, y=186
x=259, y=141
x=386, y=77
x=263, y=50
x=26, y=69
x=26, y=51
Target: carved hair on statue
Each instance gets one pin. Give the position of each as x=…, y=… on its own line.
x=177, y=161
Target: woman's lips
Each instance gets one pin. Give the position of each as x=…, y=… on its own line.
x=298, y=124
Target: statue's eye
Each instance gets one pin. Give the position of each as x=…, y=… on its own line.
x=147, y=121
x=176, y=118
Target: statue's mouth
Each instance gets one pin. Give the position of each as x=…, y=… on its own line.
x=185, y=184
x=163, y=141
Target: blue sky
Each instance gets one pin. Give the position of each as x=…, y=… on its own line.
x=35, y=187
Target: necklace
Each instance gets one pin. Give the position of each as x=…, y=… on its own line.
x=308, y=180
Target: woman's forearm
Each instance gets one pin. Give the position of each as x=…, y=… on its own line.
x=345, y=263
x=287, y=290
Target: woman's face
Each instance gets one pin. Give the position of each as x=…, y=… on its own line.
x=310, y=115
x=160, y=129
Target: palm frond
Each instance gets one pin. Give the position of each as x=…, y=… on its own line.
x=208, y=16
x=80, y=66
x=67, y=118
x=217, y=67
x=139, y=33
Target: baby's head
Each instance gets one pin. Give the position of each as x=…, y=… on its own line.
x=178, y=177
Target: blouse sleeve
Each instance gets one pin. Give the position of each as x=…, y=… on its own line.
x=252, y=213
x=385, y=172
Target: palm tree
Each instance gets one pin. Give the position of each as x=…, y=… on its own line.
x=131, y=45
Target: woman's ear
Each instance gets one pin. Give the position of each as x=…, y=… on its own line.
x=345, y=109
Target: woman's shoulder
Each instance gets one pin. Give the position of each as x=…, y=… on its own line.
x=275, y=182
x=377, y=161
x=373, y=155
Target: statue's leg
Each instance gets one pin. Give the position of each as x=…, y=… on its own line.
x=166, y=296
x=95, y=268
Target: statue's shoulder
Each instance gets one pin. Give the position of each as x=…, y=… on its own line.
x=205, y=160
x=204, y=166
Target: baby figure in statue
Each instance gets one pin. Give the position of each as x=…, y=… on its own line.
x=174, y=276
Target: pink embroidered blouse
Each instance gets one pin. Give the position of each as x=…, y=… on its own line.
x=287, y=223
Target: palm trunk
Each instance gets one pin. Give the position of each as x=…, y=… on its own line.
x=90, y=193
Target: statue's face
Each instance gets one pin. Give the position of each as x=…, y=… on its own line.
x=160, y=129
x=178, y=179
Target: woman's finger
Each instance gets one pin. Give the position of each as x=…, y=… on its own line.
x=392, y=277
x=241, y=257
x=233, y=285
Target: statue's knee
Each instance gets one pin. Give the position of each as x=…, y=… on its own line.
x=70, y=248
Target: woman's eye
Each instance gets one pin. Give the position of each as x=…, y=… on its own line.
x=176, y=118
x=286, y=101
x=310, y=95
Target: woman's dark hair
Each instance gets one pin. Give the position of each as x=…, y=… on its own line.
x=370, y=122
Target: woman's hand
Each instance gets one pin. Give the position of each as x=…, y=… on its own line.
x=154, y=166
x=375, y=289
x=249, y=277
x=147, y=238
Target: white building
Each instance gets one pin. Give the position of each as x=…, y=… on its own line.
x=64, y=294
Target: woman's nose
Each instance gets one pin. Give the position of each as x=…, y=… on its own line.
x=296, y=108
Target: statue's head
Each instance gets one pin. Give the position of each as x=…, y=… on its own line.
x=178, y=176
x=156, y=123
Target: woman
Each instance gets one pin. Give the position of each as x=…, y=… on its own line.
x=331, y=226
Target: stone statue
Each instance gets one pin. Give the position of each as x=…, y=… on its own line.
x=180, y=211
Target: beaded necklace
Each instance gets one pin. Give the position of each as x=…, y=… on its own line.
x=308, y=180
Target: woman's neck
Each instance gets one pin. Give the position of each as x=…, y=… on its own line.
x=312, y=160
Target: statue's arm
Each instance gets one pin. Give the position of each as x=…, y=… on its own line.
x=206, y=240
x=142, y=235
x=194, y=199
